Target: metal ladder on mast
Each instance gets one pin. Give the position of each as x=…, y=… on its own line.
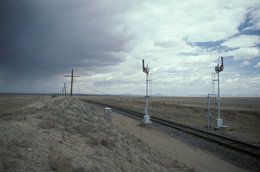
x=150, y=90
x=212, y=101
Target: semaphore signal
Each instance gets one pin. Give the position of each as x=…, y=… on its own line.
x=214, y=99
x=146, y=115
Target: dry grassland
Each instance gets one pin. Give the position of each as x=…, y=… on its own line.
x=240, y=114
x=40, y=133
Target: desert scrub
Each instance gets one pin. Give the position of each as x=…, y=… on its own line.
x=108, y=144
x=60, y=163
x=22, y=139
x=84, y=129
x=47, y=123
x=93, y=141
x=7, y=116
x=63, y=164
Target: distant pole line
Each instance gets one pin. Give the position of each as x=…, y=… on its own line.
x=71, y=80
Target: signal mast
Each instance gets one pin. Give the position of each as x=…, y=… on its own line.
x=146, y=115
x=219, y=121
x=218, y=69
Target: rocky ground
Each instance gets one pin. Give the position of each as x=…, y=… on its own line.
x=65, y=134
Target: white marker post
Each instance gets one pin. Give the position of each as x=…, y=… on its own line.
x=108, y=114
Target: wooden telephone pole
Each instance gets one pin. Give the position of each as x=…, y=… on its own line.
x=71, y=80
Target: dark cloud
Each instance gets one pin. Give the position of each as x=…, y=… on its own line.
x=46, y=38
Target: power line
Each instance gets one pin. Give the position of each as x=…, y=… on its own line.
x=92, y=89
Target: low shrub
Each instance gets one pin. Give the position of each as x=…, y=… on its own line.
x=47, y=123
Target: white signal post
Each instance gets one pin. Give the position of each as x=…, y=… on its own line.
x=219, y=121
x=146, y=115
x=214, y=99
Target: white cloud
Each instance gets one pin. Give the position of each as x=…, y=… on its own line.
x=167, y=42
x=242, y=41
x=197, y=21
x=201, y=59
x=246, y=85
x=255, y=19
x=257, y=65
x=245, y=45
x=243, y=53
x=245, y=63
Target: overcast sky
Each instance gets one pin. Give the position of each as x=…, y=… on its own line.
x=104, y=41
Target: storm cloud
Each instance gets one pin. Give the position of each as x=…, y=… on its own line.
x=40, y=39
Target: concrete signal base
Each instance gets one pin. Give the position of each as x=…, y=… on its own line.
x=219, y=124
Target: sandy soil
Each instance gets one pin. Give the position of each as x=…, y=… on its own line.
x=241, y=115
x=195, y=159
x=39, y=133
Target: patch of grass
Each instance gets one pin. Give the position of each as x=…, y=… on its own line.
x=60, y=163
x=192, y=169
x=41, y=116
x=108, y=144
x=10, y=154
x=7, y=116
x=63, y=164
x=47, y=123
x=93, y=142
x=178, y=106
x=81, y=129
x=26, y=110
x=21, y=140
x=84, y=129
x=80, y=169
x=4, y=166
x=104, y=143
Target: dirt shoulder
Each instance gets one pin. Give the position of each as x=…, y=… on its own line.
x=195, y=159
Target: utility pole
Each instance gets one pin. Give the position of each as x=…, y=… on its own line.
x=71, y=80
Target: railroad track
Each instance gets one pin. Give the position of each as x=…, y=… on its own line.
x=231, y=143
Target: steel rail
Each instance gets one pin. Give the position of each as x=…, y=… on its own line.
x=232, y=143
